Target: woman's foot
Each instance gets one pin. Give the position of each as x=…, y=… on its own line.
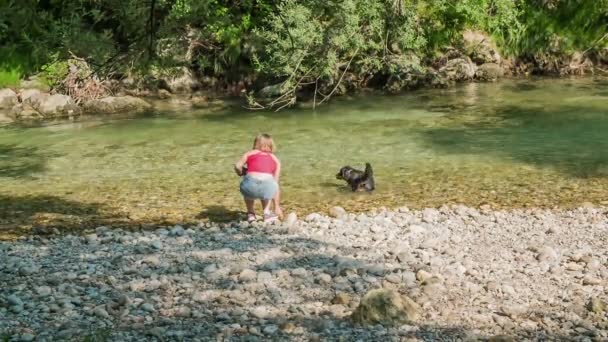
x=251, y=217
x=270, y=217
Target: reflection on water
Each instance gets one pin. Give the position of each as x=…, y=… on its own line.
x=512, y=143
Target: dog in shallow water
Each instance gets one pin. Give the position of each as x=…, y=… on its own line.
x=357, y=179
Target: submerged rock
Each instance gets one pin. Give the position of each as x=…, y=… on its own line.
x=386, y=307
x=489, y=72
x=115, y=105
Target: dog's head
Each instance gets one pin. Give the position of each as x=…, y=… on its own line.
x=344, y=173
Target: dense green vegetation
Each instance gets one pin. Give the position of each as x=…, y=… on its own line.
x=305, y=43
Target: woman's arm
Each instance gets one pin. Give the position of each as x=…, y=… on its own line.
x=238, y=166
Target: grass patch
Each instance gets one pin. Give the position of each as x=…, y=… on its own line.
x=10, y=77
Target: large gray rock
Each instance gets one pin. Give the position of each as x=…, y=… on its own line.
x=480, y=47
x=56, y=105
x=405, y=73
x=489, y=72
x=459, y=69
x=23, y=111
x=181, y=81
x=386, y=307
x=30, y=96
x=114, y=105
x=8, y=98
x=273, y=90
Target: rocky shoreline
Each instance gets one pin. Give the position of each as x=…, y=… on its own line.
x=453, y=273
x=477, y=60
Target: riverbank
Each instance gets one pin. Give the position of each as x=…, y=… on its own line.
x=478, y=60
x=474, y=274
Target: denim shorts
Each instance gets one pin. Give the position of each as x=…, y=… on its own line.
x=256, y=188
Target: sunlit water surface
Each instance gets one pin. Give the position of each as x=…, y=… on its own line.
x=508, y=144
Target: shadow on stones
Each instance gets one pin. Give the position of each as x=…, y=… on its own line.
x=40, y=214
x=221, y=298
x=220, y=214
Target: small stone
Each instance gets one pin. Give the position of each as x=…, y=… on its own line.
x=430, y=215
x=247, y=275
x=270, y=329
x=177, y=231
x=341, y=298
x=423, y=275
x=291, y=219
x=299, y=272
x=17, y=308
x=101, y=312
x=210, y=268
x=14, y=300
x=147, y=307
x=416, y=229
x=393, y=278
x=264, y=277
x=27, y=337
x=183, y=312
x=324, y=278
x=501, y=338
x=313, y=217
x=546, y=254
x=260, y=312
x=156, y=244
x=43, y=291
x=288, y=327
x=27, y=270
x=337, y=212
x=91, y=238
x=588, y=280
x=593, y=264
x=157, y=332
x=597, y=306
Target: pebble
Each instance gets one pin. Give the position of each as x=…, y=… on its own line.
x=337, y=212
x=147, y=307
x=43, y=291
x=260, y=312
x=546, y=253
x=291, y=219
x=247, y=275
x=156, y=244
x=101, y=312
x=14, y=300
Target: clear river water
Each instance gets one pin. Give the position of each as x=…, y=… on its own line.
x=523, y=143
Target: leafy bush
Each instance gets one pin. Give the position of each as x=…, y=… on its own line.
x=55, y=72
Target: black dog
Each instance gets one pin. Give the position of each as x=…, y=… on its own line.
x=358, y=180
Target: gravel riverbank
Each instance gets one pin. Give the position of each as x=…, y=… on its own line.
x=474, y=273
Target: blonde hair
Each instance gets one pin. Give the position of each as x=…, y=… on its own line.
x=264, y=143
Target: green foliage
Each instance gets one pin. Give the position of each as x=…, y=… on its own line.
x=560, y=27
x=10, y=77
x=294, y=41
x=55, y=72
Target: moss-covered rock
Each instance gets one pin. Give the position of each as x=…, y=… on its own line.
x=386, y=307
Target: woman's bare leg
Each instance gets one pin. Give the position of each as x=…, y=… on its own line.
x=249, y=205
x=266, y=206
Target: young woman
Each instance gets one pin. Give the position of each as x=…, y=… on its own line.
x=261, y=178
